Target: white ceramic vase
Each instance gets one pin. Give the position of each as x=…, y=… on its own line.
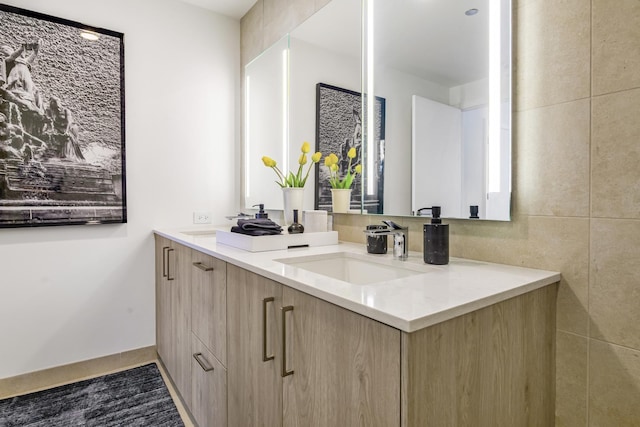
x=340, y=199
x=293, y=199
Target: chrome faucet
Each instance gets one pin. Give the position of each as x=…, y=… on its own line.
x=400, y=238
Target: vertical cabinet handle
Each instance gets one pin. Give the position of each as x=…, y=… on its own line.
x=169, y=250
x=202, y=362
x=285, y=372
x=265, y=357
x=202, y=267
x=165, y=264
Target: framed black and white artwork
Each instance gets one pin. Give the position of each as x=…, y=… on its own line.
x=62, y=156
x=339, y=127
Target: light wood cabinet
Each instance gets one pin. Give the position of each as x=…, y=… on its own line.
x=310, y=364
x=281, y=357
x=209, y=387
x=489, y=368
x=209, y=303
x=164, y=343
x=346, y=367
x=191, y=328
x=173, y=312
x=209, y=343
x=255, y=349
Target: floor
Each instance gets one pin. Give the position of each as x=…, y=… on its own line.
x=55, y=381
x=181, y=409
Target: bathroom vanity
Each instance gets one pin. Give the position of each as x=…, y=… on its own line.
x=288, y=338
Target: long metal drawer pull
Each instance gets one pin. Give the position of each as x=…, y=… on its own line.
x=203, y=363
x=285, y=372
x=202, y=267
x=165, y=264
x=169, y=265
x=265, y=357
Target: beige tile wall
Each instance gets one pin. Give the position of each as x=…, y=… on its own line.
x=576, y=188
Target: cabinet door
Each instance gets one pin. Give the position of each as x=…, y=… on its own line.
x=254, y=353
x=173, y=316
x=209, y=303
x=346, y=367
x=209, y=387
x=179, y=282
x=163, y=305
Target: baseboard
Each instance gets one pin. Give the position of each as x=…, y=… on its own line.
x=183, y=409
x=60, y=375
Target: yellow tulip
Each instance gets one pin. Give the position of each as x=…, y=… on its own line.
x=290, y=179
x=334, y=158
x=358, y=168
x=334, y=167
x=268, y=162
x=352, y=153
x=328, y=160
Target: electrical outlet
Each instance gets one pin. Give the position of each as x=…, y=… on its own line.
x=201, y=217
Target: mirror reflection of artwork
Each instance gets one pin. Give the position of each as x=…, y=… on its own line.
x=338, y=129
x=61, y=122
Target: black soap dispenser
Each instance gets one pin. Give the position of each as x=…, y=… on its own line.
x=436, y=239
x=261, y=213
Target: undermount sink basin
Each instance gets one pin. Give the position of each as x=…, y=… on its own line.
x=355, y=268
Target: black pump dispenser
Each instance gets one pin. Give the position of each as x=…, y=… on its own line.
x=261, y=213
x=436, y=239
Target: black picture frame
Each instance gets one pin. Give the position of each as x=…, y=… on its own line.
x=62, y=122
x=338, y=128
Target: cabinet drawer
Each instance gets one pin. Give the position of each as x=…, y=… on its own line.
x=209, y=387
x=209, y=303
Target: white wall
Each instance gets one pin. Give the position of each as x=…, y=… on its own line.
x=78, y=292
x=470, y=95
x=437, y=147
x=397, y=88
x=474, y=141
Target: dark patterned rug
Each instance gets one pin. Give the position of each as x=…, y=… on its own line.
x=136, y=397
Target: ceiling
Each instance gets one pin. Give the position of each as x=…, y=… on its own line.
x=233, y=8
x=434, y=39
x=431, y=39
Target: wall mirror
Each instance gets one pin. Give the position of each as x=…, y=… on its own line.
x=266, y=126
x=281, y=114
x=444, y=71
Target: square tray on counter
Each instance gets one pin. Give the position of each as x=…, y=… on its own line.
x=276, y=242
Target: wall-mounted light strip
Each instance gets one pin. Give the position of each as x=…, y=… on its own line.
x=371, y=102
x=285, y=110
x=493, y=184
x=247, y=137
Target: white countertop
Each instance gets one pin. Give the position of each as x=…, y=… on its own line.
x=409, y=303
